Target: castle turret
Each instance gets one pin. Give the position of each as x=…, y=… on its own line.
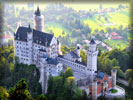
x=78, y=51
x=94, y=89
x=29, y=46
x=29, y=33
x=92, y=59
x=59, y=47
x=38, y=20
x=113, y=74
x=92, y=46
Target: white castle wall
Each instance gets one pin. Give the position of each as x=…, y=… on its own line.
x=27, y=52
x=74, y=66
x=46, y=70
x=22, y=51
x=119, y=94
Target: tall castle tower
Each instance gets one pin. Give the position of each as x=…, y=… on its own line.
x=38, y=20
x=113, y=74
x=78, y=51
x=94, y=89
x=92, y=59
x=30, y=40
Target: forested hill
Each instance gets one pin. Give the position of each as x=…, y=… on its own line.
x=11, y=72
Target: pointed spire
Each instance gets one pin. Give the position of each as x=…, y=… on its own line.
x=37, y=12
x=38, y=9
x=78, y=47
x=29, y=28
x=92, y=41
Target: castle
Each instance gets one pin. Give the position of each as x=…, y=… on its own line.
x=33, y=46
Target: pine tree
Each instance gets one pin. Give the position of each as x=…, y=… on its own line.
x=20, y=91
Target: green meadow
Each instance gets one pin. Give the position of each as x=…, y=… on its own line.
x=119, y=44
x=90, y=5
x=98, y=22
x=115, y=18
x=57, y=29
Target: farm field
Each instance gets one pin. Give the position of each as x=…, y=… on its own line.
x=119, y=44
x=90, y=5
x=114, y=20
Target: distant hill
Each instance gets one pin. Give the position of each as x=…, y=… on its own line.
x=74, y=22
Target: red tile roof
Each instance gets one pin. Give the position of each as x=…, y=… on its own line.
x=114, y=33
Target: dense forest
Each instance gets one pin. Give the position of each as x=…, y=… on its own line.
x=11, y=73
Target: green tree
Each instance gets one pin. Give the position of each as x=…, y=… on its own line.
x=6, y=65
x=68, y=72
x=20, y=91
x=63, y=88
x=84, y=95
x=120, y=73
x=129, y=75
x=83, y=56
x=100, y=52
x=3, y=94
x=50, y=84
x=41, y=97
x=106, y=64
x=64, y=49
x=77, y=95
x=114, y=62
x=99, y=64
x=121, y=56
x=22, y=71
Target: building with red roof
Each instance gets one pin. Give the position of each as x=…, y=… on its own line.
x=115, y=36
